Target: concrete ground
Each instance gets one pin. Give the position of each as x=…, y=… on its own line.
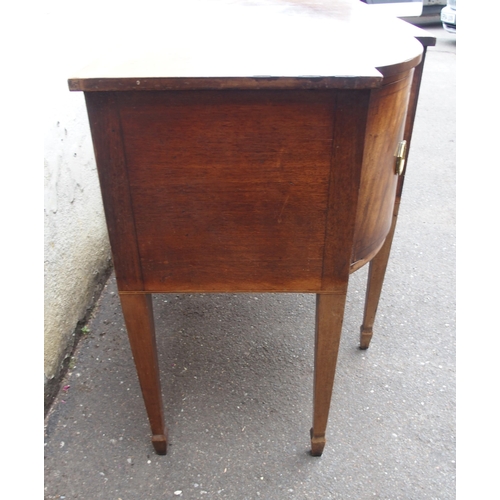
x=237, y=372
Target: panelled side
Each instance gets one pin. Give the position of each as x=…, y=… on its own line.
x=230, y=188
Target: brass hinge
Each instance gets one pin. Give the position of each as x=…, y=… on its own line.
x=400, y=158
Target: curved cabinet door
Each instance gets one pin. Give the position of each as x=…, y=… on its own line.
x=385, y=127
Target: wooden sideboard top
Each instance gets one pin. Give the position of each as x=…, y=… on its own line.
x=294, y=44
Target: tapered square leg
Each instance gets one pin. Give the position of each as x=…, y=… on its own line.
x=376, y=275
x=329, y=318
x=138, y=312
x=378, y=265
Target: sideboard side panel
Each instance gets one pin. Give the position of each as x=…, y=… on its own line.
x=229, y=188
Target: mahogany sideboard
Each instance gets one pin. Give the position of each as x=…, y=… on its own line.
x=258, y=151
